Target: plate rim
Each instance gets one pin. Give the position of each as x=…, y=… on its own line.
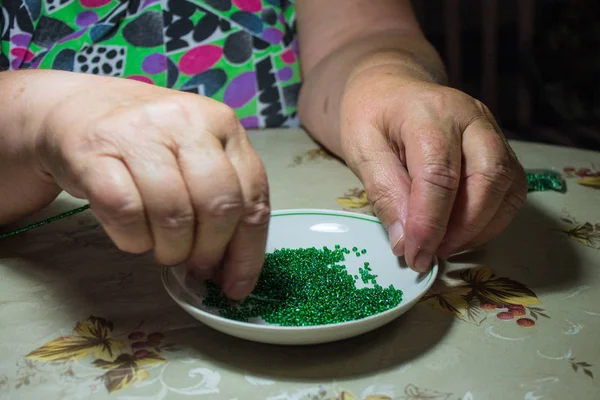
x=430, y=276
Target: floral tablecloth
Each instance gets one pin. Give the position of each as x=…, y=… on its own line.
x=516, y=319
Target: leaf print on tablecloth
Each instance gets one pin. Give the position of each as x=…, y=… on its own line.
x=312, y=155
x=473, y=293
x=92, y=337
x=450, y=299
x=587, y=234
x=488, y=288
x=356, y=200
x=412, y=392
x=454, y=300
x=127, y=369
x=584, y=366
x=590, y=181
x=118, y=368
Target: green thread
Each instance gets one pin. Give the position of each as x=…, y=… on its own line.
x=44, y=222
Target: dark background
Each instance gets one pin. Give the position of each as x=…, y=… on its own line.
x=535, y=63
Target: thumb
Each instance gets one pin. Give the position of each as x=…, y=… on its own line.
x=379, y=167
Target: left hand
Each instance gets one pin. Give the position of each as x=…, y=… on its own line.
x=439, y=172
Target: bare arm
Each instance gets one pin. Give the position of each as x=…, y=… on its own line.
x=23, y=188
x=28, y=97
x=339, y=38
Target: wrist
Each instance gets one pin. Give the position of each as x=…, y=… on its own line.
x=397, y=62
x=28, y=98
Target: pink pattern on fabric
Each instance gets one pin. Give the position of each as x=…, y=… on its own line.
x=94, y=3
x=141, y=78
x=22, y=54
x=288, y=57
x=200, y=59
x=248, y=5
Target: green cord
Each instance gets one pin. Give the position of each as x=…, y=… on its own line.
x=44, y=222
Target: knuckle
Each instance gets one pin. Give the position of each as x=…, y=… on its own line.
x=99, y=139
x=441, y=176
x=498, y=176
x=175, y=219
x=381, y=201
x=483, y=109
x=121, y=212
x=225, y=206
x=439, y=98
x=257, y=213
x=226, y=117
x=176, y=105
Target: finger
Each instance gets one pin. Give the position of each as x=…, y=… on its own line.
x=511, y=204
x=115, y=201
x=166, y=200
x=488, y=173
x=379, y=167
x=246, y=252
x=217, y=199
x=433, y=155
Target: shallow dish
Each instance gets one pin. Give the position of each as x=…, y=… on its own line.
x=304, y=228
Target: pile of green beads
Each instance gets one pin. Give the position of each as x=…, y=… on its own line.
x=544, y=180
x=307, y=286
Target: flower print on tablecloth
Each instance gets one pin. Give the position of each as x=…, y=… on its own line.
x=356, y=200
x=119, y=364
x=585, y=176
x=474, y=294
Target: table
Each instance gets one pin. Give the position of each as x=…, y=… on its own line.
x=516, y=319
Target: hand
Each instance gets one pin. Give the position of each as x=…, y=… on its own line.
x=164, y=171
x=436, y=166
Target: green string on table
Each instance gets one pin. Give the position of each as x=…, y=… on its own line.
x=538, y=180
x=44, y=222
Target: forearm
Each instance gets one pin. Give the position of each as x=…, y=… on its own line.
x=26, y=97
x=325, y=82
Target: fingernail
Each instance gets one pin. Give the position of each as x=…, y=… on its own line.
x=423, y=261
x=396, y=236
x=240, y=289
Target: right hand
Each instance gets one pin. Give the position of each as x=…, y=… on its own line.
x=165, y=171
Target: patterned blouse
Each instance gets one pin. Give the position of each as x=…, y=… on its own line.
x=240, y=52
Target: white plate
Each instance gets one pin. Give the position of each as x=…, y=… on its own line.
x=318, y=228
